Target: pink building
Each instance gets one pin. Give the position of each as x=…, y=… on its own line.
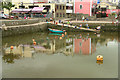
x=84, y=6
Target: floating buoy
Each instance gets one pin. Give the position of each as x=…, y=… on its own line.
x=34, y=43
x=65, y=33
x=99, y=58
x=62, y=35
x=11, y=47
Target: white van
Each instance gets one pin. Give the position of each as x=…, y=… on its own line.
x=3, y=16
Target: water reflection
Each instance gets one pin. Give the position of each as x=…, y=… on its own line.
x=77, y=44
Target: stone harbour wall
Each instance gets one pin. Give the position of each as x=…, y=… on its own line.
x=22, y=22
x=21, y=30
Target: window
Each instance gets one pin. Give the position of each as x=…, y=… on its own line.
x=80, y=44
x=63, y=7
x=57, y=15
x=60, y=14
x=21, y=7
x=33, y=6
x=80, y=6
x=80, y=51
x=107, y=7
x=63, y=14
x=57, y=6
x=60, y=7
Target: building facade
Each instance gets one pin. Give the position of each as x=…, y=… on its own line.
x=109, y=4
x=84, y=6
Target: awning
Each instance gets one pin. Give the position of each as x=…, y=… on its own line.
x=35, y=10
x=38, y=9
x=21, y=10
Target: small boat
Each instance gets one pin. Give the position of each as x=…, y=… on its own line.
x=56, y=31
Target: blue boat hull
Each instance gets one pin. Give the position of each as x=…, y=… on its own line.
x=56, y=34
x=55, y=31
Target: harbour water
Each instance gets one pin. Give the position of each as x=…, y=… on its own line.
x=45, y=55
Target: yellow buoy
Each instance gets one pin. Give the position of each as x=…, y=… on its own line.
x=60, y=37
x=99, y=58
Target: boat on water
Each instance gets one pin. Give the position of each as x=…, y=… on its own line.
x=56, y=31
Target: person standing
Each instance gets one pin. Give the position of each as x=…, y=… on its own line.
x=83, y=18
x=87, y=26
x=80, y=25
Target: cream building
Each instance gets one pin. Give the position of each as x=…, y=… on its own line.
x=109, y=4
x=60, y=7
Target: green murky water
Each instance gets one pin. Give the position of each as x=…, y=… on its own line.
x=53, y=56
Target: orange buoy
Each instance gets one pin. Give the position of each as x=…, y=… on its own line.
x=11, y=47
x=99, y=58
x=34, y=43
x=65, y=33
x=62, y=35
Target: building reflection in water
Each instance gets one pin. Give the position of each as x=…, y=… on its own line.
x=67, y=46
x=84, y=46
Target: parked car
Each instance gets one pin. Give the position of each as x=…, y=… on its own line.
x=4, y=16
